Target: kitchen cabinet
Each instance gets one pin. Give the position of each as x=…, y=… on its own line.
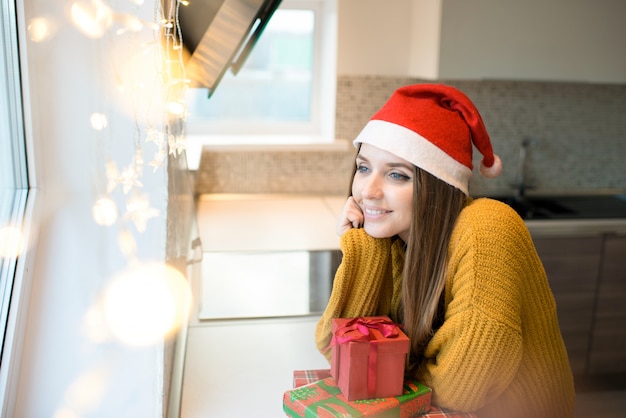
x=587, y=275
x=572, y=264
x=608, y=340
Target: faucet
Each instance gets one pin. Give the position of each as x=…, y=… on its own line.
x=520, y=182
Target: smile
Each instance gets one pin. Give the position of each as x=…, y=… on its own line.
x=375, y=212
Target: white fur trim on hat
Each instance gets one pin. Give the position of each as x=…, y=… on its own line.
x=414, y=148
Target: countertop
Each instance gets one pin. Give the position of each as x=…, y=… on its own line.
x=268, y=222
x=285, y=222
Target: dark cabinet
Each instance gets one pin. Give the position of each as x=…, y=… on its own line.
x=572, y=264
x=587, y=275
x=608, y=340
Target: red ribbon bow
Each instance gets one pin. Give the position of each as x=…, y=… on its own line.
x=358, y=330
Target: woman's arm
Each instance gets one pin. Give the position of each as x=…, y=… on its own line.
x=362, y=285
x=475, y=355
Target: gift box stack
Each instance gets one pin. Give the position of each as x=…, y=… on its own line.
x=366, y=378
x=307, y=377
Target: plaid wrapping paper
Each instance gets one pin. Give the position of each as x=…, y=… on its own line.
x=323, y=398
x=304, y=377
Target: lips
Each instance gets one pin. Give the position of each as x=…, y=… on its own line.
x=375, y=212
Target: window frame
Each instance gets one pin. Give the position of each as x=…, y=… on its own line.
x=320, y=130
x=24, y=213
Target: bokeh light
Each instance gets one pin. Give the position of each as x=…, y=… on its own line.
x=92, y=17
x=11, y=242
x=127, y=243
x=85, y=393
x=176, y=108
x=138, y=81
x=104, y=211
x=98, y=121
x=146, y=303
x=41, y=29
x=129, y=22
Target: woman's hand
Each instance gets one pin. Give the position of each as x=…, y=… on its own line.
x=351, y=217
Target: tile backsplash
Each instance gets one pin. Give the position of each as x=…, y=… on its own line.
x=578, y=132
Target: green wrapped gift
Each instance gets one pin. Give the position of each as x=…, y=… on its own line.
x=324, y=399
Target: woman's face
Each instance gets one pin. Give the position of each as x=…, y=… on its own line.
x=383, y=189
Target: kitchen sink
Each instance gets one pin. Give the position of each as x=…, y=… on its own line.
x=567, y=206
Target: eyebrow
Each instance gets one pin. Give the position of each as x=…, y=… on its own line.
x=391, y=164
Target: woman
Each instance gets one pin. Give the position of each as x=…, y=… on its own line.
x=461, y=275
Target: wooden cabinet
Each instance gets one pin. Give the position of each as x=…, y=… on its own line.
x=608, y=341
x=587, y=275
x=572, y=265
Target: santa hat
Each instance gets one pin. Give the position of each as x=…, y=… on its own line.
x=433, y=126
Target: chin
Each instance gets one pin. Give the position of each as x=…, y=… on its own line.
x=378, y=232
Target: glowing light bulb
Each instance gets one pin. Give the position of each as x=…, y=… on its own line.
x=98, y=121
x=40, y=29
x=104, y=211
x=176, y=108
x=11, y=242
x=91, y=17
x=131, y=23
x=146, y=303
x=127, y=243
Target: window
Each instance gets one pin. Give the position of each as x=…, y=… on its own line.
x=13, y=191
x=13, y=177
x=285, y=92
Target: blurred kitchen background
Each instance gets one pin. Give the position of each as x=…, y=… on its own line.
x=577, y=131
x=549, y=80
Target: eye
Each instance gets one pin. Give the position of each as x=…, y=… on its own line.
x=399, y=176
x=361, y=168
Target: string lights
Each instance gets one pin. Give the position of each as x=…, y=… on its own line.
x=147, y=301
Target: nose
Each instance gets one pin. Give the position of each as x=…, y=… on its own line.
x=372, y=188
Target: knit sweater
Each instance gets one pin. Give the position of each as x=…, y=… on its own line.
x=499, y=350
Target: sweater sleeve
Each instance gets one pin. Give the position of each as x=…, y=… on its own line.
x=473, y=357
x=362, y=284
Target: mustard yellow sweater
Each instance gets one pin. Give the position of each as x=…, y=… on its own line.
x=499, y=350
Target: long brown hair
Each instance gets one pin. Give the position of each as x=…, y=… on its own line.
x=436, y=207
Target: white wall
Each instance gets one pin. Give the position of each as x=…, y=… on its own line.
x=554, y=40
x=373, y=37
x=75, y=258
x=564, y=40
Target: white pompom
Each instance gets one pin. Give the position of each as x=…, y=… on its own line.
x=494, y=171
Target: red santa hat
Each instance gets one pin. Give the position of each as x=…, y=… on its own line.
x=433, y=126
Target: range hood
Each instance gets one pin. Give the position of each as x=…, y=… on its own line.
x=220, y=34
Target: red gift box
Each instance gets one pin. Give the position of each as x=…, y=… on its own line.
x=323, y=399
x=368, y=357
